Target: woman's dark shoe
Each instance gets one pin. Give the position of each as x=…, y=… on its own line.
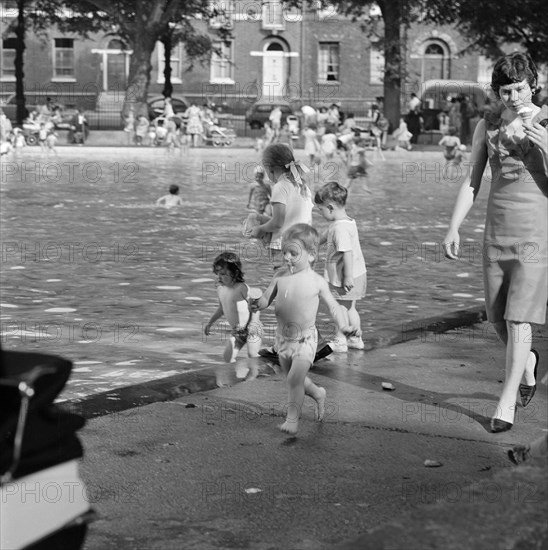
x=526, y=392
x=498, y=425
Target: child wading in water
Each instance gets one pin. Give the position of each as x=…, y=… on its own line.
x=291, y=198
x=172, y=199
x=297, y=289
x=344, y=264
x=233, y=304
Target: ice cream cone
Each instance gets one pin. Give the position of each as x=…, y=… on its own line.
x=526, y=115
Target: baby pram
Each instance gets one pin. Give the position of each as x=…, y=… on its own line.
x=218, y=136
x=31, y=128
x=43, y=501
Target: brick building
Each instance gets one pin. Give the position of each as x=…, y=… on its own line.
x=313, y=56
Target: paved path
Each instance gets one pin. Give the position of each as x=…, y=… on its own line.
x=93, y=271
x=212, y=471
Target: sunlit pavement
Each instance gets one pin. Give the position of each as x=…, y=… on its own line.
x=93, y=271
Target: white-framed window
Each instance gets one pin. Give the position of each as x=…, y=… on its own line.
x=273, y=14
x=176, y=63
x=376, y=64
x=328, y=62
x=63, y=59
x=485, y=69
x=222, y=65
x=225, y=9
x=7, y=67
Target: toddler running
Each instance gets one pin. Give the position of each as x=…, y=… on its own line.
x=297, y=289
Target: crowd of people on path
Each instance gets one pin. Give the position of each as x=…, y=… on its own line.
x=513, y=139
x=196, y=126
x=330, y=136
x=41, y=127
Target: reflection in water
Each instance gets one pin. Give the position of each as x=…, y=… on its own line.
x=140, y=278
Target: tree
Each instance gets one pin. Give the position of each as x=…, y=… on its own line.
x=494, y=26
x=141, y=23
x=19, y=72
x=387, y=25
x=490, y=25
x=198, y=47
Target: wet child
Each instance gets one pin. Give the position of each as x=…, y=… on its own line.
x=19, y=141
x=184, y=140
x=403, y=136
x=259, y=192
x=297, y=289
x=233, y=293
x=172, y=199
x=451, y=146
x=357, y=161
x=311, y=144
x=141, y=129
x=51, y=142
x=345, y=268
x=42, y=137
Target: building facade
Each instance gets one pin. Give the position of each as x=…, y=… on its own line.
x=315, y=56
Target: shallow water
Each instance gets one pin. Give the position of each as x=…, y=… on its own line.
x=81, y=232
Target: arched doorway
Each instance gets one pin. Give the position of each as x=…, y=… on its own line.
x=435, y=60
x=114, y=64
x=117, y=65
x=274, y=71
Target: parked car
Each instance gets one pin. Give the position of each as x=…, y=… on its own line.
x=259, y=112
x=436, y=94
x=156, y=106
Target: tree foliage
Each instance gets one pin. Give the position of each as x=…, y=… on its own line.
x=493, y=26
x=140, y=23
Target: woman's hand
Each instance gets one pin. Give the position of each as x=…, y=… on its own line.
x=451, y=245
x=207, y=329
x=538, y=135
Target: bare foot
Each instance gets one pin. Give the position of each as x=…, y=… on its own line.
x=290, y=427
x=320, y=404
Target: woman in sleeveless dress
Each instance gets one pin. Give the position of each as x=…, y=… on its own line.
x=514, y=139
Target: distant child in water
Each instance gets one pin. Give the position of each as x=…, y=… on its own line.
x=172, y=199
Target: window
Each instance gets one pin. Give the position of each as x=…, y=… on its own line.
x=433, y=49
x=225, y=10
x=222, y=67
x=176, y=63
x=376, y=63
x=63, y=60
x=8, y=58
x=326, y=11
x=328, y=62
x=116, y=44
x=435, y=62
x=273, y=14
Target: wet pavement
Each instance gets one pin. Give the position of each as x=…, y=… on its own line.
x=412, y=468
x=93, y=271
